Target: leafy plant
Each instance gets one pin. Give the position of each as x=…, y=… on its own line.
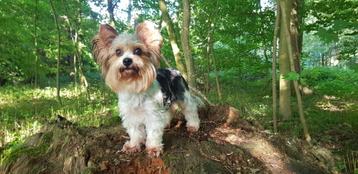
x=331, y=81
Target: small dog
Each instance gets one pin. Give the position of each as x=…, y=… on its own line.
x=129, y=64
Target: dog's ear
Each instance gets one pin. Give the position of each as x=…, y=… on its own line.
x=149, y=35
x=107, y=34
x=102, y=41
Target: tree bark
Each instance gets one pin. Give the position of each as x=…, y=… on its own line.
x=110, y=9
x=217, y=80
x=207, y=54
x=59, y=51
x=129, y=13
x=284, y=11
x=322, y=59
x=274, y=50
x=295, y=31
x=211, y=57
x=83, y=79
x=74, y=37
x=285, y=87
x=35, y=44
x=186, y=44
x=172, y=38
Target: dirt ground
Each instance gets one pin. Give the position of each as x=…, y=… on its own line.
x=225, y=143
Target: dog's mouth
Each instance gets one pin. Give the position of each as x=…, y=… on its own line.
x=129, y=71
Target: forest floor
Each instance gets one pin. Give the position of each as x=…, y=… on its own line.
x=238, y=147
x=333, y=123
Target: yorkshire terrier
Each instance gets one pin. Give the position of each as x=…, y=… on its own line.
x=146, y=94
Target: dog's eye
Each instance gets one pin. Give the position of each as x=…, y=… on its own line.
x=118, y=52
x=137, y=51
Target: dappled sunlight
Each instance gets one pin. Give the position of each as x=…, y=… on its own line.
x=23, y=111
x=257, y=146
x=12, y=96
x=19, y=131
x=260, y=109
x=50, y=92
x=334, y=104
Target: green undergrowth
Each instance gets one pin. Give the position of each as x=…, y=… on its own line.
x=331, y=111
x=331, y=81
x=16, y=149
x=24, y=110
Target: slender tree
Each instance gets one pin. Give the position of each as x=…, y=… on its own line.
x=35, y=43
x=186, y=44
x=74, y=37
x=296, y=18
x=284, y=13
x=78, y=49
x=274, y=50
x=285, y=85
x=129, y=13
x=207, y=51
x=111, y=5
x=58, y=50
x=172, y=37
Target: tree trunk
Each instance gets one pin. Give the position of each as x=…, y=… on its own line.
x=74, y=38
x=74, y=28
x=35, y=44
x=59, y=51
x=285, y=87
x=172, y=38
x=129, y=13
x=295, y=31
x=110, y=9
x=207, y=55
x=210, y=51
x=284, y=11
x=186, y=44
x=217, y=80
x=83, y=79
x=274, y=50
x=301, y=12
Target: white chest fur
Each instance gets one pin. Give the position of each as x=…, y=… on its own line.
x=142, y=107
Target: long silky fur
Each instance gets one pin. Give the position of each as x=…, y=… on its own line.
x=101, y=54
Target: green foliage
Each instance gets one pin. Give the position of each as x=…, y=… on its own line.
x=28, y=31
x=334, y=22
x=23, y=110
x=292, y=76
x=331, y=81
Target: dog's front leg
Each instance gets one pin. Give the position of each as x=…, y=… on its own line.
x=136, y=134
x=153, y=143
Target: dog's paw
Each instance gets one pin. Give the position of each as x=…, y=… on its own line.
x=154, y=151
x=192, y=129
x=127, y=148
x=192, y=125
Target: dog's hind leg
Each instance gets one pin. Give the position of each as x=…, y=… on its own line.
x=189, y=108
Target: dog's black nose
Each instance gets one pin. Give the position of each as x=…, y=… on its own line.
x=127, y=61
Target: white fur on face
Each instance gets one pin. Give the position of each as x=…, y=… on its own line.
x=146, y=68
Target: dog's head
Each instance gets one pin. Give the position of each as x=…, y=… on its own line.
x=128, y=61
